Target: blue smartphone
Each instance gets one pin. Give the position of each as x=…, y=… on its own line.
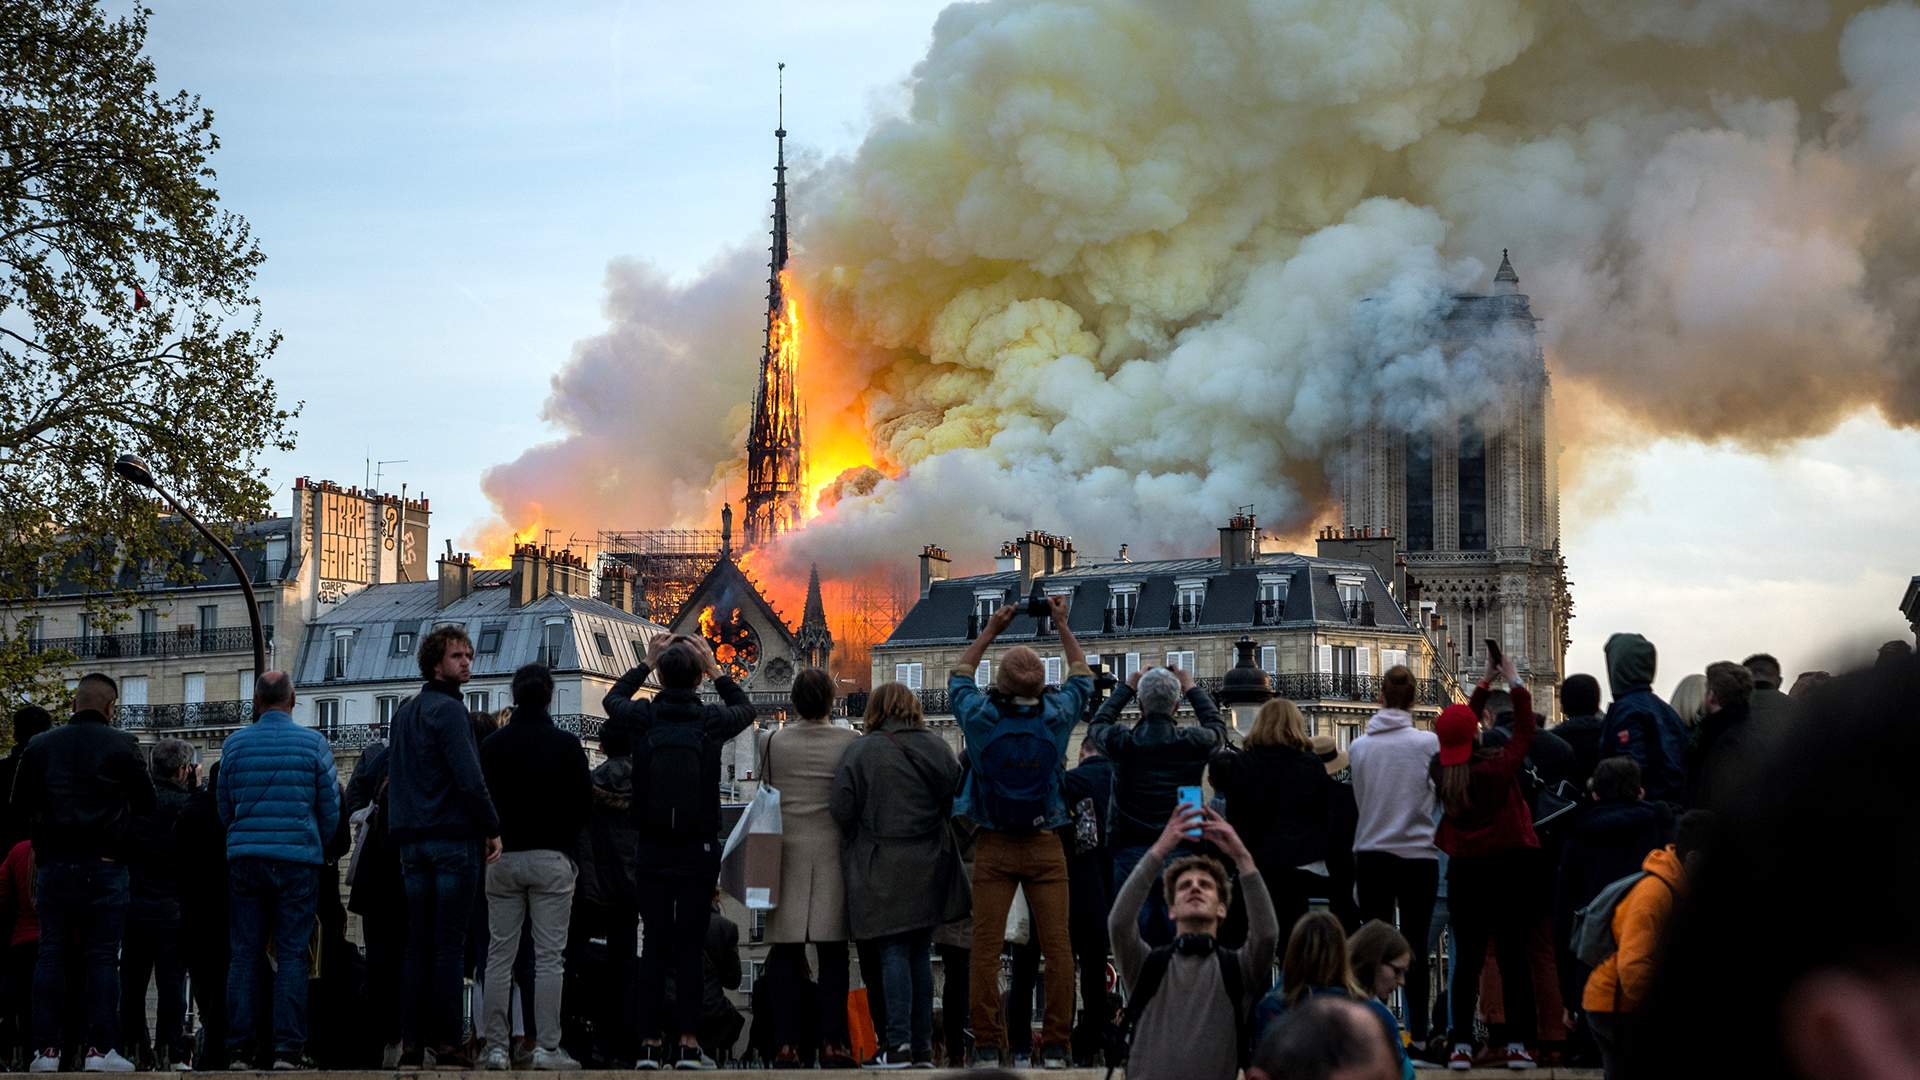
x=1190, y=796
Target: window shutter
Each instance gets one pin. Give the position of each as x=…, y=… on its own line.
x=1363, y=660
x=1133, y=664
x=983, y=674
x=1326, y=659
x=918, y=672
x=900, y=674
x=1055, y=669
x=1173, y=659
x=1270, y=659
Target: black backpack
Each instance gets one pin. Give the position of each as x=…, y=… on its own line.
x=1152, y=973
x=673, y=792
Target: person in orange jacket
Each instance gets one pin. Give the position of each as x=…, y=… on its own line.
x=1618, y=986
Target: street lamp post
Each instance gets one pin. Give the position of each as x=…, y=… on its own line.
x=135, y=471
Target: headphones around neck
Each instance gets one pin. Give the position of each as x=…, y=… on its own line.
x=1195, y=944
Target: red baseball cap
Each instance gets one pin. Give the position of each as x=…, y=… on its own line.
x=1456, y=727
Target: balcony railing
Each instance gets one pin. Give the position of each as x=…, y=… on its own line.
x=1358, y=611
x=201, y=714
x=1335, y=686
x=1268, y=612
x=160, y=643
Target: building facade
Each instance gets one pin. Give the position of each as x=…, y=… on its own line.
x=1323, y=629
x=1474, y=499
x=182, y=651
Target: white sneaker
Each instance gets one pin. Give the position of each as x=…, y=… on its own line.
x=111, y=1061
x=495, y=1059
x=555, y=1060
x=390, y=1057
x=47, y=1062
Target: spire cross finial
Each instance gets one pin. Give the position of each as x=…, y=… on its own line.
x=782, y=111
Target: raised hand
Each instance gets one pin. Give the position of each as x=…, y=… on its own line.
x=1186, y=817
x=1216, y=829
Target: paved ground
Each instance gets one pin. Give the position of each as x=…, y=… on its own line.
x=732, y=1075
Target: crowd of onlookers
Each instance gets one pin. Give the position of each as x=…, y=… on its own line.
x=1716, y=883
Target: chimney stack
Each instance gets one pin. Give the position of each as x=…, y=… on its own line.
x=567, y=574
x=1237, y=547
x=1009, y=558
x=529, y=581
x=616, y=586
x=933, y=567
x=456, y=576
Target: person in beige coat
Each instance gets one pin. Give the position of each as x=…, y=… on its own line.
x=800, y=760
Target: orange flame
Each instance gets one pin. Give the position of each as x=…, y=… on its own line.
x=496, y=548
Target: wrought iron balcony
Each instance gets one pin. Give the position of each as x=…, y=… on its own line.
x=200, y=714
x=1358, y=611
x=353, y=736
x=160, y=643
x=1336, y=686
x=1268, y=612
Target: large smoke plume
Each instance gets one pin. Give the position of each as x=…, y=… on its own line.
x=1122, y=266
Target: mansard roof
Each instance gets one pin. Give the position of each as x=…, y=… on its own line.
x=944, y=615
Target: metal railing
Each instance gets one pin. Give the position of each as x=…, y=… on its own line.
x=200, y=714
x=1358, y=611
x=160, y=643
x=1336, y=686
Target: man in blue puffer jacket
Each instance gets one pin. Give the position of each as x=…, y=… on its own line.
x=279, y=798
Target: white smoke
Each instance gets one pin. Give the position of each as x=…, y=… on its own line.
x=1122, y=266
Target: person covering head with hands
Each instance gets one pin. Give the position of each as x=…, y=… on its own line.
x=1487, y=832
x=1188, y=1000
x=1016, y=742
x=677, y=739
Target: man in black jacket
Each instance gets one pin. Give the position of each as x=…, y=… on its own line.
x=538, y=777
x=1089, y=788
x=1580, y=702
x=76, y=788
x=676, y=766
x=1151, y=761
x=442, y=820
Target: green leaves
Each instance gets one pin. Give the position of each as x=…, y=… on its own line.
x=106, y=184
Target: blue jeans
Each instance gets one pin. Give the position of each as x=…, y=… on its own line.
x=1156, y=926
x=906, y=968
x=442, y=879
x=83, y=909
x=281, y=895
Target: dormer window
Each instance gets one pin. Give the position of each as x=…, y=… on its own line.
x=1189, y=598
x=1272, y=605
x=1123, y=604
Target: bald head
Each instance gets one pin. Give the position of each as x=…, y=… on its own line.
x=273, y=691
x=1325, y=1038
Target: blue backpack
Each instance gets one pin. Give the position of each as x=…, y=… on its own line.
x=1019, y=770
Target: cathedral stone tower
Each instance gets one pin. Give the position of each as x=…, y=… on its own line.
x=1474, y=499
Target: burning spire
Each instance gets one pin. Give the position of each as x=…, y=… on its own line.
x=776, y=453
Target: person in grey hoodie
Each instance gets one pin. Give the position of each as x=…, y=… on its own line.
x=1396, y=865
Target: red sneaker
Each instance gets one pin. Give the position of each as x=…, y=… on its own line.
x=1518, y=1057
x=1461, y=1059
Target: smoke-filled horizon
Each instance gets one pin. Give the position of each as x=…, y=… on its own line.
x=1120, y=267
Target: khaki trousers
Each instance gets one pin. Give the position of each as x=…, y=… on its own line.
x=1037, y=865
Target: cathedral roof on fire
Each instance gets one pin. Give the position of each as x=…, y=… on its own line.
x=726, y=585
x=1232, y=598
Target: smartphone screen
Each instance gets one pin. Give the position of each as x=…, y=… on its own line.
x=1190, y=796
x=1493, y=650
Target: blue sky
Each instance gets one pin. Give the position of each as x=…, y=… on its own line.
x=440, y=187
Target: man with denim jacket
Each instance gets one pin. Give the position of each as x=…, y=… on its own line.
x=1023, y=854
